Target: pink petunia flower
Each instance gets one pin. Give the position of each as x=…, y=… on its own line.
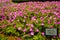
x=59, y=35
x=32, y=33
x=24, y=30
x=54, y=18
x=42, y=24
x=31, y=29
x=42, y=33
x=32, y=25
x=57, y=22
x=25, y=17
x=20, y=13
x=42, y=19
x=19, y=39
x=33, y=18
x=56, y=13
x=19, y=28
x=37, y=30
x=58, y=16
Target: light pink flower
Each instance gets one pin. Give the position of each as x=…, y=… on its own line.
x=42, y=19
x=55, y=18
x=27, y=24
x=31, y=29
x=3, y=26
x=25, y=17
x=37, y=30
x=56, y=13
x=32, y=25
x=36, y=12
x=19, y=28
x=42, y=24
x=18, y=5
x=32, y=33
x=24, y=30
x=23, y=20
x=36, y=21
x=50, y=17
x=33, y=18
x=10, y=14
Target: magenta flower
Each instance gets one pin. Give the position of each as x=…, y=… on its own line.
x=59, y=35
x=11, y=20
x=58, y=16
x=42, y=33
x=20, y=13
x=57, y=22
x=2, y=16
x=49, y=13
x=13, y=17
x=43, y=11
x=15, y=14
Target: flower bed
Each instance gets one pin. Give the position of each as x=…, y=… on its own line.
x=29, y=19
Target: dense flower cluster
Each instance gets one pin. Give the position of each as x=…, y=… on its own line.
x=4, y=1
x=29, y=18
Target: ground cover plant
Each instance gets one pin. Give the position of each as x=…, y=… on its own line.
x=27, y=20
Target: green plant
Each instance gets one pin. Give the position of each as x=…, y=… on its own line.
x=20, y=0
x=3, y=38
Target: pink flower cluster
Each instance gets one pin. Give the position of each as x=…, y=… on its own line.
x=31, y=15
